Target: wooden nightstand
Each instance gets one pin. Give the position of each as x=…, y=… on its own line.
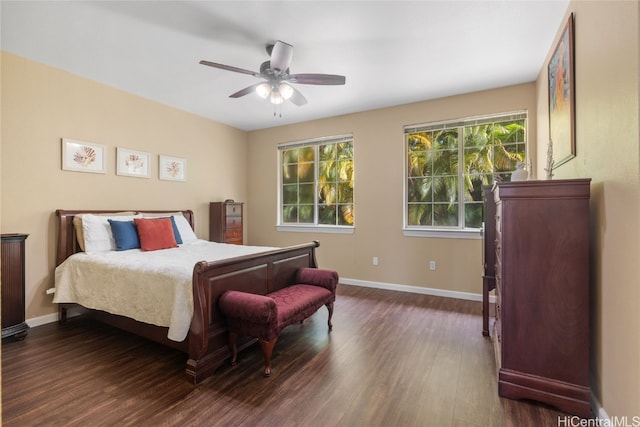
x=13, y=317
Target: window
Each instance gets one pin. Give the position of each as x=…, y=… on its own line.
x=316, y=183
x=448, y=163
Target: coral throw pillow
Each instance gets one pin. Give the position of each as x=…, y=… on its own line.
x=156, y=233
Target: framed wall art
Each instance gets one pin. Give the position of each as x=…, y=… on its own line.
x=132, y=163
x=81, y=156
x=172, y=168
x=562, y=97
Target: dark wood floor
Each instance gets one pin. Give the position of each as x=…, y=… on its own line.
x=393, y=359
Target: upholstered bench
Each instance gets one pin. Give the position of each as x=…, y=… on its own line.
x=264, y=316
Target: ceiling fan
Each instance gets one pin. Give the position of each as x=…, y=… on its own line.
x=277, y=85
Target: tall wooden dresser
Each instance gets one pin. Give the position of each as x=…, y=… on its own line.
x=13, y=275
x=541, y=332
x=226, y=222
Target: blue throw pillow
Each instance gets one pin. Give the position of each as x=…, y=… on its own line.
x=176, y=233
x=125, y=234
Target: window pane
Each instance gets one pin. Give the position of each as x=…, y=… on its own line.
x=420, y=190
x=445, y=189
x=346, y=215
x=327, y=171
x=473, y=215
x=306, y=193
x=445, y=162
x=327, y=152
x=327, y=214
x=305, y=214
x=446, y=140
x=327, y=193
x=345, y=192
x=289, y=174
x=290, y=194
x=345, y=170
x=289, y=214
x=306, y=154
x=420, y=214
x=445, y=214
x=306, y=172
x=290, y=156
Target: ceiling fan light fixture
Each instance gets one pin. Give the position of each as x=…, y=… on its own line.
x=276, y=97
x=285, y=90
x=263, y=90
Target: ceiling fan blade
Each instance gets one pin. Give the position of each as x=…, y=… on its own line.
x=297, y=98
x=230, y=68
x=245, y=91
x=317, y=79
x=281, y=56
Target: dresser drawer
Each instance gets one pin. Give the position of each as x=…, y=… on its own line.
x=233, y=209
x=233, y=234
x=234, y=221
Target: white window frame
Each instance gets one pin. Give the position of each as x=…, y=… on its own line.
x=315, y=227
x=457, y=232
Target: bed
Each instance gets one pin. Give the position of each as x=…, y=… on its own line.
x=206, y=343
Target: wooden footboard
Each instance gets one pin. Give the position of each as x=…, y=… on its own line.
x=207, y=342
x=260, y=274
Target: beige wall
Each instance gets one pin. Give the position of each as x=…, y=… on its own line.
x=379, y=159
x=607, y=56
x=41, y=105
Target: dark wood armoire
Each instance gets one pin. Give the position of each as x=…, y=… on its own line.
x=541, y=330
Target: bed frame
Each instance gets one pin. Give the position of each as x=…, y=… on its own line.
x=207, y=342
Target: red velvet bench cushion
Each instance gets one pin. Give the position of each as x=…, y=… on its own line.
x=264, y=316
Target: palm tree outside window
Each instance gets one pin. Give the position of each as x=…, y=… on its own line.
x=448, y=163
x=317, y=183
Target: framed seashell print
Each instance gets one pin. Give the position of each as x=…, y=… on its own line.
x=132, y=163
x=81, y=156
x=172, y=168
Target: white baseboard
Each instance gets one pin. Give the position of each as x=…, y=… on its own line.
x=42, y=320
x=53, y=317
x=412, y=289
x=598, y=410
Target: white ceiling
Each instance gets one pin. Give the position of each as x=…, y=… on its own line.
x=391, y=52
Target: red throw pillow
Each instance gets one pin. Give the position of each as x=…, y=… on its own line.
x=156, y=233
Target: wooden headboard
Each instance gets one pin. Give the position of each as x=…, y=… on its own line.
x=67, y=241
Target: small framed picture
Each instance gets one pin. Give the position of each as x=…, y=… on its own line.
x=173, y=168
x=132, y=163
x=80, y=156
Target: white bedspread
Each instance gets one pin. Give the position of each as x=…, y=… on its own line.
x=152, y=287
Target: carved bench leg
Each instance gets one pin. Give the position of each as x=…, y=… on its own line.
x=330, y=308
x=267, y=350
x=233, y=339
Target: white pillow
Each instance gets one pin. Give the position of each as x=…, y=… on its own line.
x=77, y=224
x=97, y=232
x=186, y=232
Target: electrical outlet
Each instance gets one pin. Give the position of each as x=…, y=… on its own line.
x=432, y=265
x=375, y=260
